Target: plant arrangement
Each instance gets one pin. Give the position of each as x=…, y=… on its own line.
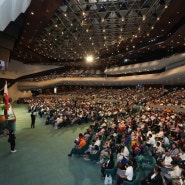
x=2, y=106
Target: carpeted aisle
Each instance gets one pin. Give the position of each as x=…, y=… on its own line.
x=41, y=156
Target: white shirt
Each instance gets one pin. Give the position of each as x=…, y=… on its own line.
x=129, y=173
x=153, y=176
x=160, y=134
x=160, y=149
x=97, y=142
x=166, y=141
x=151, y=141
x=149, y=132
x=176, y=172
x=125, y=152
x=182, y=156
x=167, y=161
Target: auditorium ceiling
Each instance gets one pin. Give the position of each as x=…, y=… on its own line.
x=114, y=32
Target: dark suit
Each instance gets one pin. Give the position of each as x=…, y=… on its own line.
x=32, y=120
x=11, y=140
x=157, y=180
x=108, y=165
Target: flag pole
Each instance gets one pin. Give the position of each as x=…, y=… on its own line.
x=6, y=99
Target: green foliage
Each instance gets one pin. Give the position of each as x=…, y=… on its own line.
x=2, y=106
x=1, y=97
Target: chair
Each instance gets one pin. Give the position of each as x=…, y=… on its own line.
x=94, y=157
x=111, y=171
x=82, y=150
x=149, y=165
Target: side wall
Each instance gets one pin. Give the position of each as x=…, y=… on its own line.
x=17, y=69
x=15, y=94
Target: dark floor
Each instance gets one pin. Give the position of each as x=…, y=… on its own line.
x=41, y=157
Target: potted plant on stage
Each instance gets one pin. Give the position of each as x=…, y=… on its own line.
x=2, y=109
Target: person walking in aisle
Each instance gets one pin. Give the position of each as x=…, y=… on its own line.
x=33, y=117
x=11, y=140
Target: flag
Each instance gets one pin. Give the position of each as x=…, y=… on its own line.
x=6, y=99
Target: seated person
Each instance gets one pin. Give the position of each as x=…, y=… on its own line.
x=77, y=148
x=180, y=180
x=91, y=146
x=174, y=150
x=158, y=149
x=93, y=151
x=124, y=152
x=87, y=135
x=153, y=178
x=127, y=174
x=165, y=141
x=108, y=165
x=174, y=174
x=181, y=157
x=151, y=141
x=176, y=170
x=98, y=140
x=58, y=121
x=77, y=140
x=108, y=149
x=166, y=162
x=160, y=134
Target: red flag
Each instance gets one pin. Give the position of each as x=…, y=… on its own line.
x=6, y=99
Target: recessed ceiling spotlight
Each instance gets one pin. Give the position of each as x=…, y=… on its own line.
x=89, y=58
x=144, y=17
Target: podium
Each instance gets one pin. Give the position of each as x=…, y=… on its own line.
x=8, y=122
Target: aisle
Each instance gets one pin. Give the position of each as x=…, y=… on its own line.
x=42, y=155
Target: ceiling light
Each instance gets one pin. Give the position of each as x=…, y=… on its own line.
x=144, y=17
x=89, y=58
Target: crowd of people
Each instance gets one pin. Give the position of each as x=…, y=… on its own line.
x=68, y=73
x=124, y=125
